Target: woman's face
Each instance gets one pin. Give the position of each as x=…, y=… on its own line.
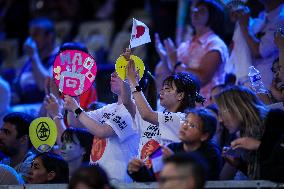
x=115, y=83
x=199, y=16
x=192, y=129
x=71, y=151
x=169, y=97
x=38, y=173
x=229, y=120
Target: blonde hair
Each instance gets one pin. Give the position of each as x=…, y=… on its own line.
x=242, y=103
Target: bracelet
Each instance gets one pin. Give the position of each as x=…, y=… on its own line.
x=59, y=116
x=136, y=89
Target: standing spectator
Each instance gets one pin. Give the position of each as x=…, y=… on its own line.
x=40, y=48
x=260, y=37
x=15, y=142
x=115, y=140
x=204, y=55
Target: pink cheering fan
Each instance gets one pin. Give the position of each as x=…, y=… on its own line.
x=74, y=72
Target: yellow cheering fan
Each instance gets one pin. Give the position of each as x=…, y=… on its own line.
x=121, y=63
x=43, y=133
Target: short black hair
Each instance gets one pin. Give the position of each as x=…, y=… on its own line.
x=85, y=138
x=54, y=162
x=209, y=121
x=21, y=121
x=198, y=165
x=93, y=176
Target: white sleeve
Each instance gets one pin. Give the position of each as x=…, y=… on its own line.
x=96, y=114
x=121, y=122
x=169, y=125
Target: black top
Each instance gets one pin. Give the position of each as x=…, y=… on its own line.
x=208, y=150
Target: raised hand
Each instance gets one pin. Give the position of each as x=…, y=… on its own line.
x=70, y=103
x=160, y=49
x=171, y=52
x=30, y=47
x=53, y=105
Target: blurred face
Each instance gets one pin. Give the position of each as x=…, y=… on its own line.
x=38, y=174
x=278, y=72
x=229, y=120
x=171, y=178
x=39, y=36
x=191, y=130
x=9, y=143
x=115, y=83
x=71, y=151
x=199, y=16
x=169, y=97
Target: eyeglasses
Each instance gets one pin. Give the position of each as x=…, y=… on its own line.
x=189, y=125
x=163, y=179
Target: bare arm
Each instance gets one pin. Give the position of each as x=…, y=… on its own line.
x=144, y=108
x=39, y=72
x=95, y=127
x=126, y=99
x=208, y=66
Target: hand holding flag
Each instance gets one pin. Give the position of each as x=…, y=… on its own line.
x=139, y=35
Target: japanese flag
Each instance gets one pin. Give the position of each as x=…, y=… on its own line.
x=140, y=34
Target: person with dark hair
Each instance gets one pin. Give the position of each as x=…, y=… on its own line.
x=204, y=55
x=195, y=134
x=183, y=171
x=40, y=49
x=15, y=142
x=90, y=177
x=48, y=168
x=76, y=147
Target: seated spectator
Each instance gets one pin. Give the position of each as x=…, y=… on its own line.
x=48, y=168
x=195, y=135
x=15, y=142
x=76, y=148
x=241, y=111
x=183, y=171
x=90, y=177
x=9, y=176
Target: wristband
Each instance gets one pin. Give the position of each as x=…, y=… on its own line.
x=77, y=112
x=59, y=116
x=136, y=89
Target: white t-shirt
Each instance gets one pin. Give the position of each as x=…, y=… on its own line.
x=114, y=153
x=169, y=125
x=152, y=136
